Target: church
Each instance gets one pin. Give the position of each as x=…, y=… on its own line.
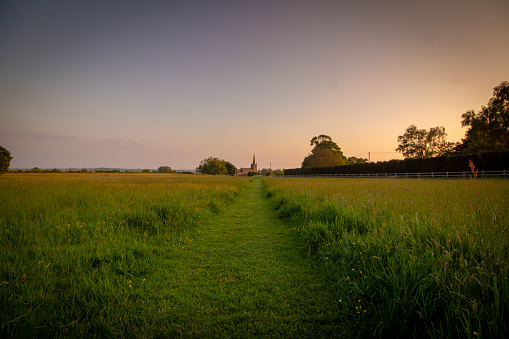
x=246, y=170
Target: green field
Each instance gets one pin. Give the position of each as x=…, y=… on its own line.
x=408, y=257
x=83, y=253
x=166, y=255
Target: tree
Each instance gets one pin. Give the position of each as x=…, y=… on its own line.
x=323, y=157
x=5, y=159
x=326, y=153
x=216, y=166
x=279, y=172
x=325, y=141
x=419, y=143
x=230, y=168
x=489, y=127
x=36, y=170
x=267, y=172
x=165, y=169
x=355, y=160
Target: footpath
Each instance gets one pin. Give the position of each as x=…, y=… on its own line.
x=244, y=275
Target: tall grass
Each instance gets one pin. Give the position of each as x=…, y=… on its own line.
x=421, y=258
x=80, y=252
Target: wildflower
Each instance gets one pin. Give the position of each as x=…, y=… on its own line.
x=340, y=300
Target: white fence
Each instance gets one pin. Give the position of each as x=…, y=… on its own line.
x=457, y=175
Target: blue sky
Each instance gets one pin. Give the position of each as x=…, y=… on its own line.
x=144, y=84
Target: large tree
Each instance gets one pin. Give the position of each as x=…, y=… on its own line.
x=489, y=127
x=322, y=157
x=326, y=153
x=325, y=141
x=419, y=143
x=5, y=159
x=230, y=168
x=216, y=166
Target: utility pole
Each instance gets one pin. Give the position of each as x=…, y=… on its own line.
x=270, y=165
x=369, y=156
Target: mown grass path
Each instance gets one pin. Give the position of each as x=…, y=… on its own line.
x=245, y=276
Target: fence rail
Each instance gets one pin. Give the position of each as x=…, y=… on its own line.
x=457, y=175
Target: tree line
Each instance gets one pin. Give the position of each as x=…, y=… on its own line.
x=490, y=161
x=488, y=131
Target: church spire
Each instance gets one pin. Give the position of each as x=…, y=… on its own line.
x=253, y=165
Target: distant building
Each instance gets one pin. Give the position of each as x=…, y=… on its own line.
x=246, y=170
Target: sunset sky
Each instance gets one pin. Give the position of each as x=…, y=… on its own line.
x=141, y=84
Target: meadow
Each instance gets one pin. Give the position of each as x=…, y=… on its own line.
x=169, y=255
x=81, y=253
x=407, y=257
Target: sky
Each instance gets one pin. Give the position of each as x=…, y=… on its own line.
x=143, y=84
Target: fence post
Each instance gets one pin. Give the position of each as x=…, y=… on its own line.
x=447, y=174
x=418, y=175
